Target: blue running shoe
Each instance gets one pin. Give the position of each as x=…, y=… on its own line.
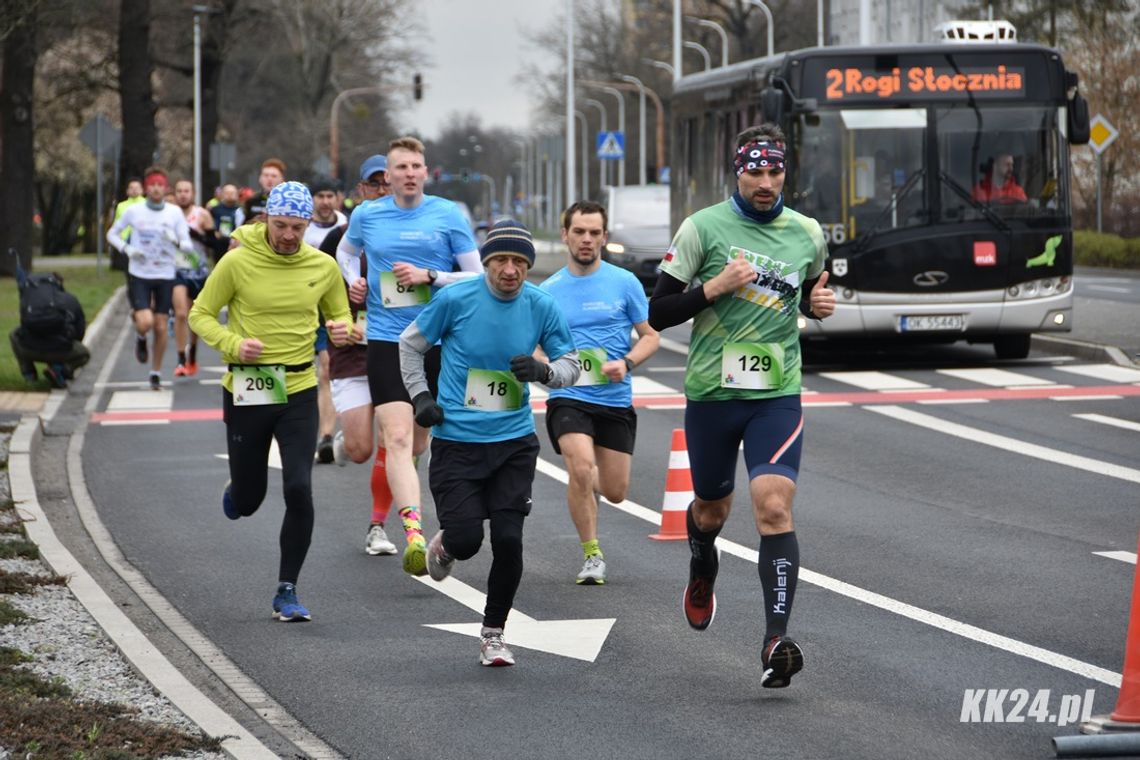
x=286, y=608
x=228, y=503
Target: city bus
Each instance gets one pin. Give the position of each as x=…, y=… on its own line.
x=893, y=150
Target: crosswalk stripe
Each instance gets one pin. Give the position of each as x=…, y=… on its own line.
x=1109, y=372
x=997, y=378
x=1129, y=557
x=876, y=381
x=1113, y=421
x=122, y=401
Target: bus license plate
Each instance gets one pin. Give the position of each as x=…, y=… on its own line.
x=932, y=322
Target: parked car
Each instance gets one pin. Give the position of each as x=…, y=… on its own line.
x=639, y=229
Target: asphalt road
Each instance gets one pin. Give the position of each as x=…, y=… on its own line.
x=948, y=541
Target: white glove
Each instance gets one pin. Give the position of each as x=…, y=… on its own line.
x=134, y=253
x=169, y=236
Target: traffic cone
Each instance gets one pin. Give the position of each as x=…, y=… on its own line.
x=1128, y=703
x=678, y=492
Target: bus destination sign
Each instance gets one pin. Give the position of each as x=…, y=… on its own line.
x=907, y=83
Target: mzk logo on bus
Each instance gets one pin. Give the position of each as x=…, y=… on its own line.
x=923, y=80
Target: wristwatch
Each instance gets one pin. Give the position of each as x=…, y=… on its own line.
x=628, y=363
x=432, y=276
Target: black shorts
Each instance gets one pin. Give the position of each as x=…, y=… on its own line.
x=469, y=481
x=385, y=383
x=611, y=427
x=150, y=294
x=193, y=285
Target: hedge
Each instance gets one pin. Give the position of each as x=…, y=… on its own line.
x=1102, y=249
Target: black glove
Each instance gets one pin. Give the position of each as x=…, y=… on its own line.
x=428, y=413
x=530, y=370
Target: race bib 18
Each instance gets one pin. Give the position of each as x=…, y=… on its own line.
x=490, y=390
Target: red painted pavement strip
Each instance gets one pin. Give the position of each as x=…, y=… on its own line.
x=678, y=400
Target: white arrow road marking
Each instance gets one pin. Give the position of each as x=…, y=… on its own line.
x=902, y=609
x=274, y=455
x=1122, y=556
x=578, y=639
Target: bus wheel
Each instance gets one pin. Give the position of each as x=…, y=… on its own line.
x=1012, y=346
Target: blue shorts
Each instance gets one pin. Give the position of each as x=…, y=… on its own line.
x=322, y=341
x=187, y=278
x=771, y=430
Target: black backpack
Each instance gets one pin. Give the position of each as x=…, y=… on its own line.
x=43, y=313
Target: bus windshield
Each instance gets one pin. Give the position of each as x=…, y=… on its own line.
x=862, y=168
x=1006, y=158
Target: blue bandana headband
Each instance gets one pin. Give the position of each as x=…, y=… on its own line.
x=290, y=199
x=759, y=154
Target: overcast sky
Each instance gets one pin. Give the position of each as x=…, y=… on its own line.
x=477, y=48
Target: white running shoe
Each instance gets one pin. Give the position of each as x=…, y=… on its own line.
x=439, y=562
x=593, y=572
x=493, y=650
x=378, y=542
x=340, y=456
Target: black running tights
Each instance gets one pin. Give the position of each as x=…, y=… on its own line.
x=249, y=432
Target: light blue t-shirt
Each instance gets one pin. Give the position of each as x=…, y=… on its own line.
x=480, y=333
x=601, y=308
x=429, y=236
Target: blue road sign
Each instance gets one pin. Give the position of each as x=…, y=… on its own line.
x=611, y=145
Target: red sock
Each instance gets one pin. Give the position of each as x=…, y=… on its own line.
x=381, y=493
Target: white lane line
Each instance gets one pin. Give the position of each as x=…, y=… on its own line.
x=1114, y=421
x=1129, y=557
x=1024, y=448
x=876, y=381
x=1109, y=372
x=1085, y=398
x=999, y=378
x=933, y=619
x=1109, y=288
x=943, y=401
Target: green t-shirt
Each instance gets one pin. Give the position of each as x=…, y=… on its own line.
x=746, y=345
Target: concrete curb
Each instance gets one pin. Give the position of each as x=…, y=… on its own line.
x=1082, y=350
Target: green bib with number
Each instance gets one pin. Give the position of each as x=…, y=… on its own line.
x=592, y=360
x=490, y=390
x=396, y=296
x=752, y=366
x=258, y=385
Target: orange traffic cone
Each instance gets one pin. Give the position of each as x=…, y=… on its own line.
x=678, y=492
x=1128, y=703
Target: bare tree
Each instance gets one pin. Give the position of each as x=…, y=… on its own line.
x=17, y=135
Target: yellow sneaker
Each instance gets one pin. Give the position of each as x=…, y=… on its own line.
x=415, y=556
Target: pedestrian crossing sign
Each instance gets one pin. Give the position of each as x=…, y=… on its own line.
x=611, y=145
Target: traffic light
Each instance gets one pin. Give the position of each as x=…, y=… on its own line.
x=417, y=87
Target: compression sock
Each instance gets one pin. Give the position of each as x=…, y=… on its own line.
x=381, y=493
x=702, y=546
x=182, y=358
x=779, y=567
x=413, y=531
x=591, y=549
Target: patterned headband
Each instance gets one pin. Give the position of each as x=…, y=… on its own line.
x=759, y=154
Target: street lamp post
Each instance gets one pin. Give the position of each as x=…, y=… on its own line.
x=719, y=30
x=641, y=179
x=585, y=162
x=621, y=126
x=771, y=33
x=198, y=11
x=569, y=98
x=703, y=51
x=603, y=168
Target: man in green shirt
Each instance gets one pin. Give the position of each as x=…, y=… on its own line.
x=755, y=265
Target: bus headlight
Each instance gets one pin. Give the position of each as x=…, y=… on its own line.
x=1047, y=286
x=615, y=248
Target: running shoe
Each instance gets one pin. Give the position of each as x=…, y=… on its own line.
x=55, y=377
x=325, y=450
x=286, y=608
x=191, y=368
x=699, y=601
x=439, y=562
x=782, y=659
x=378, y=542
x=228, y=503
x=415, y=556
x=493, y=650
x=593, y=572
x=340, y=454
x=141, y=354
x=181, y=371
x=155, y=381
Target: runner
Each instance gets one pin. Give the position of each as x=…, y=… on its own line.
x=253, y=208
x=273, y=286
x=190, y=275
x=592, y=424
x=348, y=368
x=158, y=232
x=484, y=452
x=755, y=262
x=412, y=243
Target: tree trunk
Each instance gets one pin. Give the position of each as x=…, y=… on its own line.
x=17, y=141
x=213, y=52
x=140, y=138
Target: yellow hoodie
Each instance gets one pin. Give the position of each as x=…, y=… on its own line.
x=271, y=297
